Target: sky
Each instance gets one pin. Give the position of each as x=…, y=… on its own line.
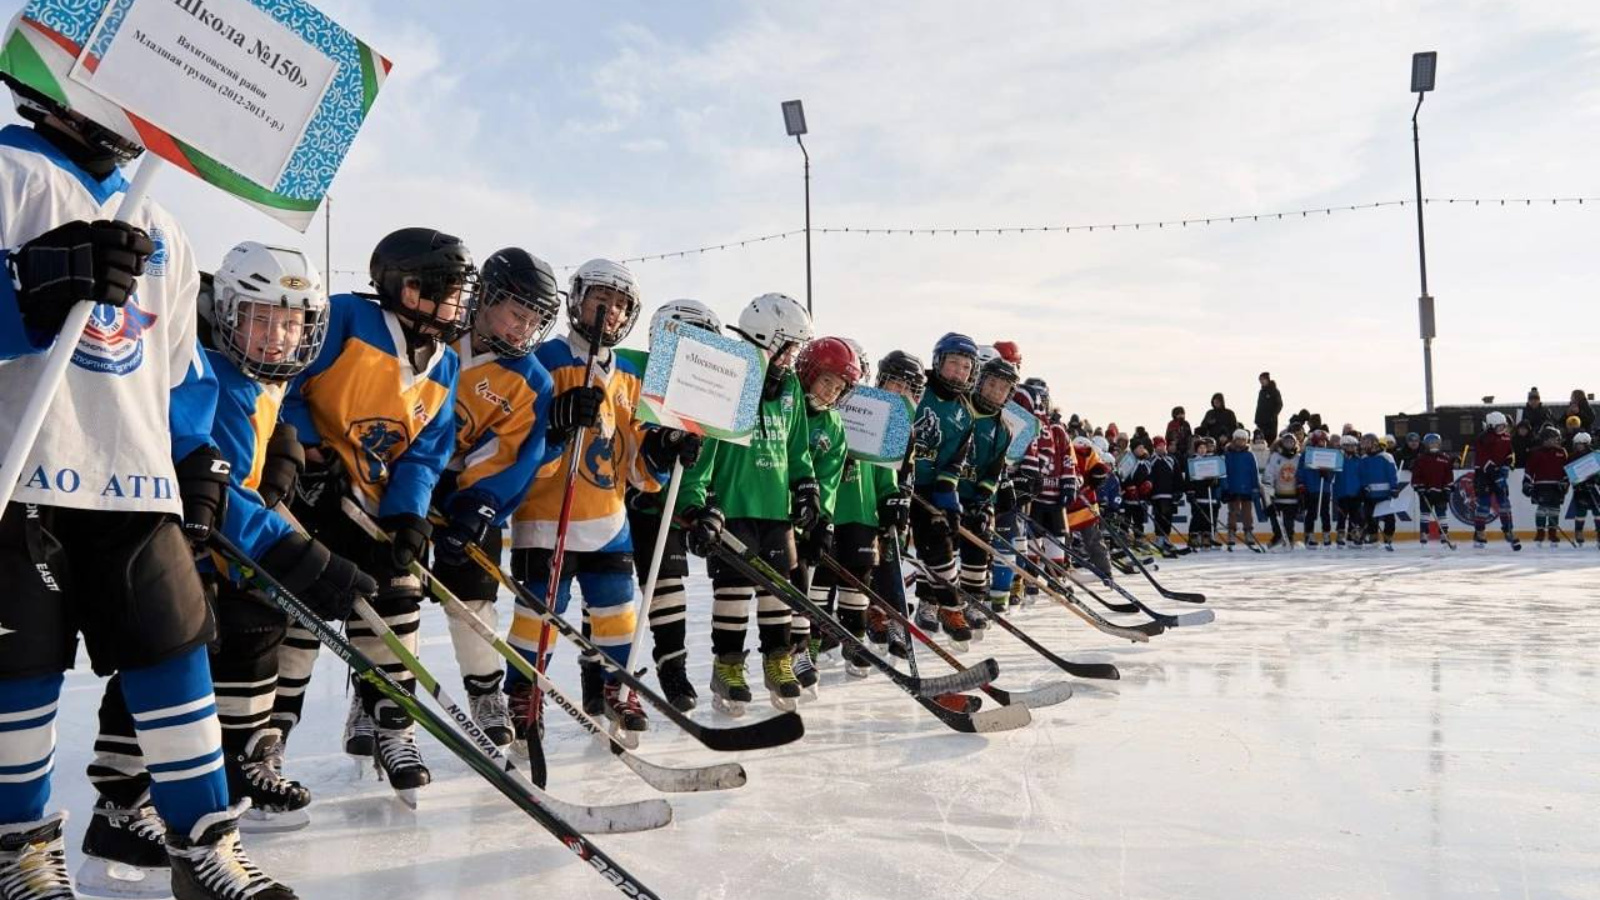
x=627, y=128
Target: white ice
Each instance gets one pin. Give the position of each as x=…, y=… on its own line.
x=1355, y=724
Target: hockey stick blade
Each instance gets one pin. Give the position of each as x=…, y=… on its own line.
x=1000, y=718
x=1039, y=698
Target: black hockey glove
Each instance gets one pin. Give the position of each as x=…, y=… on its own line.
x=408, y=538
x=894, y=510
x=1527, y=486
x=322, y=580
x=806, y=505
x=1025, y=485
x=811, y=544
x=576, y=408
x=702, y=529
x=79, y=261
x=664, y=446
x=469, y=523
x=321, y=486
x=286, y=459
x=645, y=503
x=978, y=519
x=203, y=479
x=1005, y=497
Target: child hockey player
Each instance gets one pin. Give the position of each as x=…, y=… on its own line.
x=92, y=541
x=1281, y=487
x=903, y=374
x=1241, y=486
x=1492, y=461
x=1137, y=487
x=1347, y=492
x=981, y=478
x=828, y=368
x=502, y=409
x=375, y=411
x=1544, y=480
x=1083, y=513
x=668, y=609
x=1433, y=478
x=942, y=436
x=1204, y=498
x=1585, y=495
x=762, y=493
x=1378, y=478
x=1166, y=484
x=1316, y=490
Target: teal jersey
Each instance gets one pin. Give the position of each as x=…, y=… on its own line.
x=986, y=460
x=941, y=433
x=753, y=481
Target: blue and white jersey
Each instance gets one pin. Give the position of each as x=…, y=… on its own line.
x=138, y=393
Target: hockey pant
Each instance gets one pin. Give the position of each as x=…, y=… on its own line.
x=398, y=603
x=1319, y=504
x=773, y=541
x=1491, y=491
x=127, y=582
x=1163, y=507
x=1433, y=504
x=1372, y=520
x=1287, y=511
x=934, y=535
x=481, y=665
x=606, y=581
x=856, y=549
x=1348, y=521
x=668, y=608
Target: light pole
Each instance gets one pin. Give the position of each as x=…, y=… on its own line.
x=1423, y=66
x=794, y=121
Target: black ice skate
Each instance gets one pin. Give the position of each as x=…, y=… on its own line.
x=33, y=861
x=591, y=677
x=125, y=853
x=673, y=675
x=276, y=803
x=358, y=729
x=209, y=864
x=400, y=763
x=626, y=715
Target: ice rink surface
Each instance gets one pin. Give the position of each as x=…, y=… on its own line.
x=1355, y=724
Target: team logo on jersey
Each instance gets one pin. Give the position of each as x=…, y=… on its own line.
x=821, y=441
x=927, y=432
x=378, y=441
x=483, y=390
x=156, y=263
x=599, y=462
x=113, y=342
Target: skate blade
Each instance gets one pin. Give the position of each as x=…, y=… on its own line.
x=958, y=646
x=623, y=736
x=977, y=635
x=857, y=671
x=102, y=878
x=808, y=694
x=258, y=821
x=731, y=708
x=408, y=796
x=784, y=704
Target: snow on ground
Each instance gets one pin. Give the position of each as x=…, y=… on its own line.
x=1355, y=724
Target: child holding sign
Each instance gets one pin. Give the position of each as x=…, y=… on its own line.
x=1585, y=495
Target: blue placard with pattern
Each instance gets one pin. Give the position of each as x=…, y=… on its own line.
x=671, y=396
x=877, y=425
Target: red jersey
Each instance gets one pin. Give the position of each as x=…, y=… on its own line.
x=1433, y=471
x=1547, y=465
x=1492, y=447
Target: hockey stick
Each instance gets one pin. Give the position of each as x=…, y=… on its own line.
x=731, y=551
x=1055, y=571
x=1183, y=596
x=518, y=792
x=1200, y=617
x=663, y=530
x=1566, y=537
x=1048, y=695
x=662, y=778
x=1136, y=633
x=26, y=429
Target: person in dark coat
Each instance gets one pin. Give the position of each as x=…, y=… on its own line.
x=1180, y=436
x=1522, y=441
x=1220, y=422
x=1581, y=408
x=1269, y=403
x=1141, y=438
x=1535, y=414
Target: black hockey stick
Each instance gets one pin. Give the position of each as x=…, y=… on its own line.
x=518, y=792
x=732, y=552
x=1200, y=617
x=1183, y=596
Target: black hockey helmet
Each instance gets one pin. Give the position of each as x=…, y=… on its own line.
x=1550, y=436
x=996, y=382
x=438, y=265
x=36, y=106
x=898, y=365
x=514, y=275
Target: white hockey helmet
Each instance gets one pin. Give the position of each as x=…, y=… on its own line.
x=861, y=358
x=1100, y=443
x=1495, y=419
x=986, y=352
x=1349, y=440
x=774, y=321
x=1583, y=437
x=1239, y=434
x=602, y=273
x=689, y=312
x=253, y=280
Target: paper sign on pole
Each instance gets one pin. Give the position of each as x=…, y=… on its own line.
x=261, y=98
x=702, y=382
x=1202, y=468
x=1326, y=459
x=1583, y=468
x=877, y=425
x=1024, y=427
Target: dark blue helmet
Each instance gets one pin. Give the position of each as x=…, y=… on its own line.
x=954, y=344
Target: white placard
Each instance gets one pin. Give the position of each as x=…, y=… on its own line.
x=248, y=85
x=705, y=384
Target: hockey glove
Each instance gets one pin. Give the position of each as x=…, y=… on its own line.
x=322, y=580
x=642, y=503
x=1025, y=485
x=978, y=519
x=321, y=486
x=664, y=446
x=945, y=499
x=894, y=510
x=576, y=408
x=811, y=544
x=702, y=529
x=408, y=538
x=79, y=261
x=286, y=459
x=806, y=508
x=203, y=479
x=469, y=523
x=1005, y=498
x=1527, y=486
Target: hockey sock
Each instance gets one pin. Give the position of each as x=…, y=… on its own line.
x=28, y=739
x=669, y=616
x=117, y=770
x=403, y=615
x=175, y=716
x=772, y=622
x=297, y=656
x=476, y=657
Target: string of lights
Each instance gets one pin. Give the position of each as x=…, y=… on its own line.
x=1132, y=225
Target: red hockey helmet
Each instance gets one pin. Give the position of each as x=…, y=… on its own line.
x=1008, y=351
x=827, y=356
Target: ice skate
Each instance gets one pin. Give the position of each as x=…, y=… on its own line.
x=1479, y=539
x=1511, y=538
x=400, y=763
x=673, y=676
x=927, y=617
x=977, y=621
x=729, y=689
x=877, y=625
x=999, y=603
x=777, y=672
x=805, y=671
x=1325, y=540
x=33, y=862
x=527, y=720
x=125, y=854
x=625, y=714
x=591, y=678
x=209, y=864
x=490, y=712
x=1277, y=541
x=954, y=622
x=899, y=642
x=1388, y=544
x=276, y=803
x=358, y=729
x=856, y=665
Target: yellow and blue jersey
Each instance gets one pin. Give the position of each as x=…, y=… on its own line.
x=502, y=407
x=608, y=462
x=246, y=413
x=392, y=424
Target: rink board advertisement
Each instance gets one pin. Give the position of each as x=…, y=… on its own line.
x=1463, y=506
x=877, y=425
x=702, y=382
x=260, y=99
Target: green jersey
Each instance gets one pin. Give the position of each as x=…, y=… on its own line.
x=828, y=451
x=941, y=434
x=861, y=490
x=753, y=481
x=986, y=460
